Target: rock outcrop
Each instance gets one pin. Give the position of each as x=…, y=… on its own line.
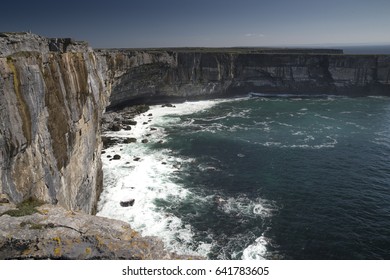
x=50, y=109
x=53, y=232
x=155, y=76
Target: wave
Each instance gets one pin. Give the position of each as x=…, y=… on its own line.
x=147, y=175
x=257, y=250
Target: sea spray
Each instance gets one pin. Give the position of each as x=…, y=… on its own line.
x=259, y=178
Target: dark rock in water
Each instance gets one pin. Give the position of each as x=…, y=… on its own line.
x=168, y=105
x=129, y=122
x=115, y=127
x=160, y=142
x=153, y=128
x=141, y=109
x=109, y=141
x=127, y=203
x=116, y=157
x=127, y=127
x=150, y=115
x=145, y=141
x=129, y=140
x=147, y=135
x=164, y=163
x=103, y=152
x=136, y=158
x=145, y=123
x=109, y=156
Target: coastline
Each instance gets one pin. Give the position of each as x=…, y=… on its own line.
x=140, y=177
x=126, y=152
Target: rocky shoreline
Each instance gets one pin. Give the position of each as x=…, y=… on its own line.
x=34, y=230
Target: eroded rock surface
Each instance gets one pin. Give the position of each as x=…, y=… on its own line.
x=56, y=233
x=50, y=109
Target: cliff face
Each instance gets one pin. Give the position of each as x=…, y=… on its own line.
x=50, y=109
x=157, y=75
x=53, y=92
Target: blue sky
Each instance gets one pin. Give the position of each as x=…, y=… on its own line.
x=179, y=23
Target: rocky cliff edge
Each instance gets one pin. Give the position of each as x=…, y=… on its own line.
x=51, y=104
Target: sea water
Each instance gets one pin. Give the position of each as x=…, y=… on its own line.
x=258, y=178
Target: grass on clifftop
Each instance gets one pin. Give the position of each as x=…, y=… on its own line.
x=25, y=208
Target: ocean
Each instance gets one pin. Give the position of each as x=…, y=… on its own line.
x=258, y=178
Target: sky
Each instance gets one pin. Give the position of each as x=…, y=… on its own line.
x=202, y=23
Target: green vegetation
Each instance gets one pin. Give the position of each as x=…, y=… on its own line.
x=25, y=208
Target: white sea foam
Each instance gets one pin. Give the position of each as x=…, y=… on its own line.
x=257, y=250
x=243, y=206
x=148, y=180
x=147, y=176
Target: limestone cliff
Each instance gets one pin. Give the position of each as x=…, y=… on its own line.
x=52, y=96
x=50, y=109
x=53, y=92
x=139, y=76
x=52, y=232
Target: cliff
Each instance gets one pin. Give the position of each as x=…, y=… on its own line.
x=50, y=109
x=53, y=93
x=158, y=75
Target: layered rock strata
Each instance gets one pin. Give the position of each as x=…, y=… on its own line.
x=50, y=109
x=53, y=93
x=155, y=76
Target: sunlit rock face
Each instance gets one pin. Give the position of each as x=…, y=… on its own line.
x=51, y=104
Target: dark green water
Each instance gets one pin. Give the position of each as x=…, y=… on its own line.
x=253, y=178
x=306, y=178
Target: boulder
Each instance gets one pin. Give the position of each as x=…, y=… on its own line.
x=127, y=203
x=115, y=127
x=145, y=141
x=129, y=122
x=116, y=157
x=130, y=140
x=109, y=141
